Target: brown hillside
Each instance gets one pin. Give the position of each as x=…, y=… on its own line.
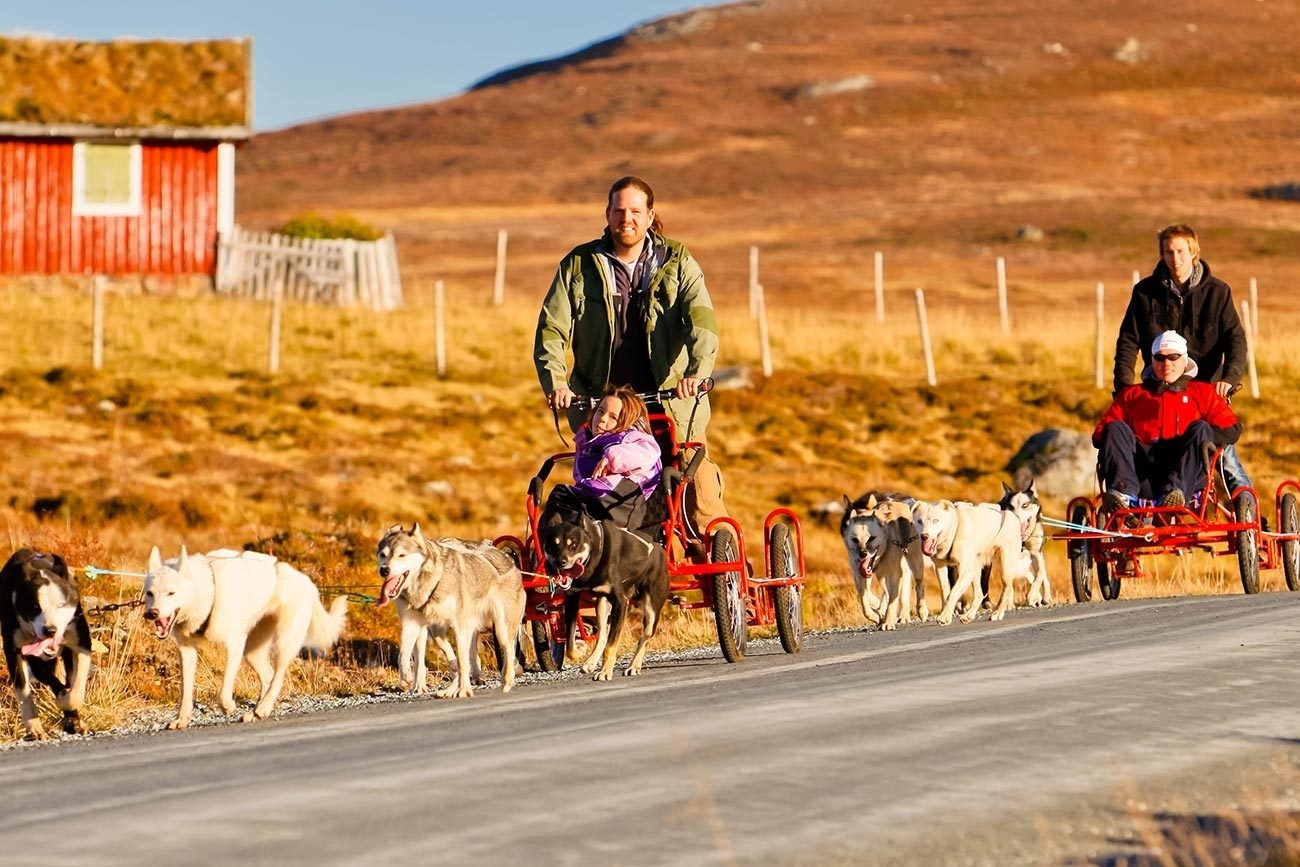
x=825, y=130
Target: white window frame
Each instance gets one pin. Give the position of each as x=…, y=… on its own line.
x=82, y=208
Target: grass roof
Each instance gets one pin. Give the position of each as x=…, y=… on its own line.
x=125, y=83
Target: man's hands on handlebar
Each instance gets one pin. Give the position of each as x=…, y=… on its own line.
x=561, y=398
x=689, y=387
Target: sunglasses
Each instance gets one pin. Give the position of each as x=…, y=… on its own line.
x=1167, y=359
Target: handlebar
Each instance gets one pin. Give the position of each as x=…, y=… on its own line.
x=585, y=402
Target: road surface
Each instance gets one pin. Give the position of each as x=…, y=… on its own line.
x=1022, y=742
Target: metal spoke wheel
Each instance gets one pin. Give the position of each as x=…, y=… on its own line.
x=787, y=601
x=550, y=653
x=1290, y=547
x=728, y=604
x=1248, y=543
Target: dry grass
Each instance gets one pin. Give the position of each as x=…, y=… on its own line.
x=183, y=439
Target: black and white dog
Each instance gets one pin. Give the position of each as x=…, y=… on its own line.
x=42, y=621
x=614, y=565
x=1024, y=504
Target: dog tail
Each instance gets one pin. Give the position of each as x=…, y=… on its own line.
x=327, y=626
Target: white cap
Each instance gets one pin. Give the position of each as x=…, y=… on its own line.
x=1171, y=341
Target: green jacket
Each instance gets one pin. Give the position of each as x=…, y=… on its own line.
x=578, y=313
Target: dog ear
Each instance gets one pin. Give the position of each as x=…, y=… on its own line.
x=871, y=501
x=848, y=504
x=395, y=528
x=1029, y=489
x=1006, y=490
x=415, y=531
x=155, y=560
x=184, y=564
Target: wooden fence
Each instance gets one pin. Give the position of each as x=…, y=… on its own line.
x=339, y=272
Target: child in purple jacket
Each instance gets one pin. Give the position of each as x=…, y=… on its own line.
x=617, y=463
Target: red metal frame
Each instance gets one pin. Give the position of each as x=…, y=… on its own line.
x=1128, y=534
x=690, y=584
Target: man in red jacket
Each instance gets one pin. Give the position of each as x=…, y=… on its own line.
x=1155, y=437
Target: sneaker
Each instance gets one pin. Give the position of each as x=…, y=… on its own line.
x=1113, y=501
x=1173, y=499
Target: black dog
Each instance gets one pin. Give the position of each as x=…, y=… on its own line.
x=613, y=564
x=42, y=620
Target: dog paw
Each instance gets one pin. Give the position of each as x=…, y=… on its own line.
x=178, y=724
x=943, y=619
x=632, y=672
x=73, y=725
x=36, y=732
x=968, y=616
x=888, y=627
x=227, y=705
x=248, y=717
x=588, y=667
x=996, y=616
x=603, y=675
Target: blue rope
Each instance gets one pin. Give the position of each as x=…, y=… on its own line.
x=1084, y=528
x=93, y=572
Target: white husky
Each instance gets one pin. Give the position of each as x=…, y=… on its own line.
x=252, y=603
x=970, y=537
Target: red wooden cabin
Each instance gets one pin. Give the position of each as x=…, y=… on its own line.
x=119, y=157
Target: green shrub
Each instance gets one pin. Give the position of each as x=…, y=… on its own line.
x=313, y=225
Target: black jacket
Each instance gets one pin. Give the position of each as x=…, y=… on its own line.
x=1205, y=317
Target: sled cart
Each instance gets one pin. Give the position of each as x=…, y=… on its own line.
x=1109, y=545
x=738, y=599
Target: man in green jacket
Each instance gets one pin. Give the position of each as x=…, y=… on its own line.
x=633, y=308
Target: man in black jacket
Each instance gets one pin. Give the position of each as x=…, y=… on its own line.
x=1181, y=295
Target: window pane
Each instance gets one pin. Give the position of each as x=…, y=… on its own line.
x=108, y=174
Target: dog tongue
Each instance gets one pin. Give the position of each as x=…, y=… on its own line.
x=573, y=572
x=38, y=648
x=864, y=568
x=389, y=590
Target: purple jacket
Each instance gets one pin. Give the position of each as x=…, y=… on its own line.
x=631, y=454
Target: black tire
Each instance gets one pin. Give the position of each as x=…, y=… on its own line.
x=1080, y=558
x=786, y=601
x=1289, y=523
x=1108, y=580
x=728, y=606
x=550, y=653
x=1247, y=544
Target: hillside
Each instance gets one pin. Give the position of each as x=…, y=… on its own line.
x=825, y=130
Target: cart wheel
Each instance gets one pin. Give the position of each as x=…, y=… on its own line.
x=1080, y=561
x=728, y=606
x=787, y=601
x=1247, y=544
x=1108, y=579
x=1290, y=547
x=550, y=653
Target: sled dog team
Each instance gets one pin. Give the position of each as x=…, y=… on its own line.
x=889, y=536
x=264, y=611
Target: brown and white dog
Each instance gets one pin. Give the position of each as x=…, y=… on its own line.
x=883, y=546
x=42, y=622
x=969, y=537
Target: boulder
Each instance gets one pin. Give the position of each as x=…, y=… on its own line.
x=1062, y=463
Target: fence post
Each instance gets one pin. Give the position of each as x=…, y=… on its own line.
x=1247, y=310
x=273, y=349
x=880, y=288
x=1002, y=296
x=97, y=322
x=439, y=334
x=764, y=345
x=925, y=338
x=499, y=285
x=1100, y=347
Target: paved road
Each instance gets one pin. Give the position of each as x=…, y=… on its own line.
x=985, y=744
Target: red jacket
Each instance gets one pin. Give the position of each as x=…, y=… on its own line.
x=1156, y=411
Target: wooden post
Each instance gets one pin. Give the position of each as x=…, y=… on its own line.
x=925, y=338
x=753, y=282
x=97, y=322
x=1099, y=362
x=499, y=285
x=1254, y=307
x=880, y=288
x=1002, y=296
x=439, y=334
x=764, y=345
x=277, y=302
x=1247, y=309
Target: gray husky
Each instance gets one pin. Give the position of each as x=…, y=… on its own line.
x=453, y=586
